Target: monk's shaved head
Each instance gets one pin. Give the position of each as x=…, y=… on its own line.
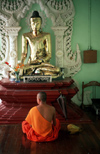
x=42, y=96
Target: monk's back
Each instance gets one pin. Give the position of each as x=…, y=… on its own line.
x=46, y=111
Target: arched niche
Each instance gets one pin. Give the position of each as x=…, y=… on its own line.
x=61, y=14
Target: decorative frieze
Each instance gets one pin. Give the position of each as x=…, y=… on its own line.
x=37, y=78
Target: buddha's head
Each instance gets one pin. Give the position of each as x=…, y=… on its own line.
x=36, y=21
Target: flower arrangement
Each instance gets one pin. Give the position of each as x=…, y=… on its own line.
x=16, y=69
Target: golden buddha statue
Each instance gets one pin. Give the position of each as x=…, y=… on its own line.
x=40, y=51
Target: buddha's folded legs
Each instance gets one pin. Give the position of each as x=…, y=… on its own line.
x=42, y=69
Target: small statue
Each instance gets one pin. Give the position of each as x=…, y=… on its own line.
x=38, y=61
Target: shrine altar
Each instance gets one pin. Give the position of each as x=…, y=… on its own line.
x=25, y=93
x=18, y=98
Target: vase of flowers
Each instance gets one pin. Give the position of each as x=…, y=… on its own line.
x=16, y=70
x=17, y=79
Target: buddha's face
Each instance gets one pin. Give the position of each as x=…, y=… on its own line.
x=35, y=23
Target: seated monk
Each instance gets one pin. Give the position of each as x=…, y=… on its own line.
x=41, y=124
x=37, y=60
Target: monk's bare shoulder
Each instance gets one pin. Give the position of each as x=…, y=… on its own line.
x=53, y=109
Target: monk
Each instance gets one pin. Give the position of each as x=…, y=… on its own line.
x=41, y=124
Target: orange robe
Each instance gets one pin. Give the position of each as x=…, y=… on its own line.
x=41, y=130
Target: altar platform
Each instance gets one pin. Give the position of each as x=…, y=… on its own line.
x=25, y=93
x=18, y=98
